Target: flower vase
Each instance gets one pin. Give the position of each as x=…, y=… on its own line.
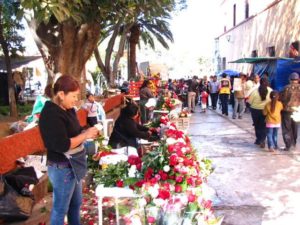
x=172, y=215
x=152, y=214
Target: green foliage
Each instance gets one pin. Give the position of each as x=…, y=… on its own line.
x=111, y=174
x=22, y=109
x=11, y=24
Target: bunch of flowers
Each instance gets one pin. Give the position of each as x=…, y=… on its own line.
x=167, y=103
x=120, y=174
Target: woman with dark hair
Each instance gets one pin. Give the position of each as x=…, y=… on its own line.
x=127, y=130
x=145, y=94
x=258, y=100
x=66, y=158
x=272, y=111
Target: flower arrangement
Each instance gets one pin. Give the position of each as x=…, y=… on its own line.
x=166, y=103
x=169, y=180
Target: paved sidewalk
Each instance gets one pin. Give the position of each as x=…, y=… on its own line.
x=253, y=186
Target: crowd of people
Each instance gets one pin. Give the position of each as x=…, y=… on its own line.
x=269, y=108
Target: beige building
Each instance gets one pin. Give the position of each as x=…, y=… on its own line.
x=256, y=28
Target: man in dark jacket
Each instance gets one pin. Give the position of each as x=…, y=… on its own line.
x=290, y=97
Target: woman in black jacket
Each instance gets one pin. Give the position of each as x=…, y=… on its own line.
x=127, y=130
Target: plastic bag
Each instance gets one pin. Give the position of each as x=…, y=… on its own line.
x=14, y=206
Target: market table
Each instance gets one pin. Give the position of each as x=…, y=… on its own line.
x=113, y=192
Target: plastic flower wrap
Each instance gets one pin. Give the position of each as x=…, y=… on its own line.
x=296, y=114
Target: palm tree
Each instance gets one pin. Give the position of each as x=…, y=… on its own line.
x=148, y=30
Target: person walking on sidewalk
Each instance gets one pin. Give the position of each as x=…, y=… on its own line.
x=225, y=87
x=290, y=97
x=239, y=98
x=192, y=90
x=214, y=92
x=204, y=100
x=272, y=112
x=258, y=100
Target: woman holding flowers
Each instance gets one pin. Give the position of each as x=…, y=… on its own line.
x=66, y=159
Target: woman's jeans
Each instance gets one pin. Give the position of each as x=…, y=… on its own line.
x=259, y=125
x=67, y=196
x=272, y=134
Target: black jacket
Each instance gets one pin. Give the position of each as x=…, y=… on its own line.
x=126, y=131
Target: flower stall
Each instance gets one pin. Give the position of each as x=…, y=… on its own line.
x=164, y=187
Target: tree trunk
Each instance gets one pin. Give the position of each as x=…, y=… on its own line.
x=66, y=46
x=11, y=89
x=133, y=41
x=119, y=55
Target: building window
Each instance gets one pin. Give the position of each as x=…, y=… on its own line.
x=254, y=53
x=234, y=14
x=271, y=51
x=246, y=9
x=294, y=49
x=224, y=63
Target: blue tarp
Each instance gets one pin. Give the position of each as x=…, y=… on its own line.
x=231, y=73
x=278, y=70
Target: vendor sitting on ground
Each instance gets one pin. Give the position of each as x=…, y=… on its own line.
x=127, y=130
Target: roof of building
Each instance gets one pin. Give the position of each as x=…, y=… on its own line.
x=258, y=59
x=20, y=61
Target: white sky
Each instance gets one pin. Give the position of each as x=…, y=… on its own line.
x=194, y=31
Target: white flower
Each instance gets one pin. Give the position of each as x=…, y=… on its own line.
x=153, y=192
x=166, y=168
x=170, y=141
x=142, y=202
x=132, y=171
x=136, y=220
x=183, y=150
x=159, y=201
x=181, y=140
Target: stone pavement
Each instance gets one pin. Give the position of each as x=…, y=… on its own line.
x=253, y=186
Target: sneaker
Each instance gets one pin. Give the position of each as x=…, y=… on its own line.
x=233, y=117
x=271, y=150
x=240, y=117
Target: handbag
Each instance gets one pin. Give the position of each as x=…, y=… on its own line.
x=13, y=206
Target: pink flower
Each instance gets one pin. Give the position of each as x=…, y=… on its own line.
x=178, y=188
x=150, y=219
x=191, y=198
x=179, y=179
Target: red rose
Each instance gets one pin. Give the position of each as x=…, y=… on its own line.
x=139, y=183
x=148, y=174
x=163, y=194
x=189, y=181
x=163, y=175
x=173, y=160
x=139, y=166
x=199, y=181
x=178, y=188
x=119, y=183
